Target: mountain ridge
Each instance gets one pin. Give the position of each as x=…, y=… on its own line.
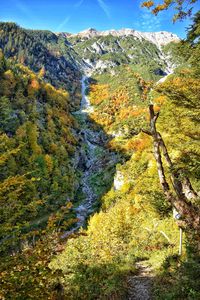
x=62, y=57
x=77, y=157
x=160, y=38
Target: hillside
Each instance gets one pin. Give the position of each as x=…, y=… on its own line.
x=37, y=147
x=136, y=222
x=106, y=50
x=82, y=203
x=43, y=52
x=60, y=57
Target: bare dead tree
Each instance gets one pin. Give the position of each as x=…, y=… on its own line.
x=182, y=193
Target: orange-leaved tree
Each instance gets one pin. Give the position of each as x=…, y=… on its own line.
x=183, y=8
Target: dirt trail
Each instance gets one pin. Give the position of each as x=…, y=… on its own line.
x=140, y=285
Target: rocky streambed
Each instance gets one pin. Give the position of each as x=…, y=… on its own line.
x=93, y=161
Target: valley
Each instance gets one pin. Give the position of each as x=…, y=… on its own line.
x=97, y=164
x=84, y=214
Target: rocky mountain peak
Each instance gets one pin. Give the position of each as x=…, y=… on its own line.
x=89, y=33
x=63, y=34
x=159, y=38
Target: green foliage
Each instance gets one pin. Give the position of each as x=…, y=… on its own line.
x=182, y=109
x=26, y=275
x=37, y=144
x=38, y=180
x=97, y=262
x=178, y=279
x=85, y=275
x=178, y=53
x=118, y=51
x=2, y=62
x=136, y=221
x=129, y=228
x=39, y=50
x=193, y=32
x=8, y=120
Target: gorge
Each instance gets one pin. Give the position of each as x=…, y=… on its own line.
x=83, y=214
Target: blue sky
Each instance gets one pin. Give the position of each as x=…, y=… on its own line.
x=76, y=15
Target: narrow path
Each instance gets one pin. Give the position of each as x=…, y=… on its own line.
x=140, y=285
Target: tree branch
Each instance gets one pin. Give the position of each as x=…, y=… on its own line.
x=146, y=131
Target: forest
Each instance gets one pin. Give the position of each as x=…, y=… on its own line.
x=143, y=135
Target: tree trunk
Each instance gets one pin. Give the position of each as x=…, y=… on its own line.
x=183, y=189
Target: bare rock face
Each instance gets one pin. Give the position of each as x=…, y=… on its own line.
x=161, y=38
x=99, y=51
x=63, y=34
x=88, y=33
x=158, y=38
x=97, y=48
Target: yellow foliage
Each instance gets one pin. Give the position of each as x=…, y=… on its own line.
x=148, y=4
x=16, y=182
x=160, y=100
x=41, y=73
x=98, y=93
x=9, y=76
x=49, y=162
x=126, y=112
x=138, y=143
x=5, y=156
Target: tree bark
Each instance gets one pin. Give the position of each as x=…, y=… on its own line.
x=188, y=189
